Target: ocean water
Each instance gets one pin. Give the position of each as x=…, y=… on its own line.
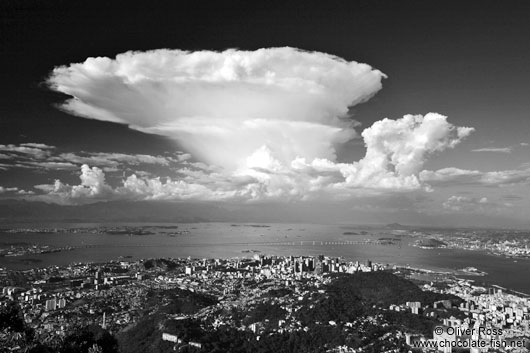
x=226, y=240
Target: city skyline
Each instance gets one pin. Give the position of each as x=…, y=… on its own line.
x=369, y=112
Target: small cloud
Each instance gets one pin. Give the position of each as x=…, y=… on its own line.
x=42, y=156
x=93, y=187
x=25, y=192
x=53, y=165
x=27, y=150
x=37, y=145
x=181, y=156
x=450, y=176
x=5, y=190
x=143, y=173
x=112, y=160
x=525, y=144
x=456, y=176
x=476, y=205
x=494, y=149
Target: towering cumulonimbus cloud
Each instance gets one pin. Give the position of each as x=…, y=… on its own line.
x=224, y=106
x=265, y=123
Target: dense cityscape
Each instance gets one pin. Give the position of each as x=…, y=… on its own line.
x=263, y=303
x=508, y=242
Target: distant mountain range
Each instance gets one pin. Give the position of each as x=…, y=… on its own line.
x=123, y=211
x=16, y=211
x=21, y=211
x=397, y=226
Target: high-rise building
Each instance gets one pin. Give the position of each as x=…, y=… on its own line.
x=51, y=304
x=98, y=277
x=318, y=266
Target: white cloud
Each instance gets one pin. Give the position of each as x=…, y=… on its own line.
x=51, y=165
x=92, y=188
x=450, y=175
x=223, y=106
x=477, y=205
x=14, y=190
x=403, y=145
x=25, y=192
x=37, y=145
x=41, y=156
x=460, y=203
x=26, y=149
x=395, y=153
x=263, y=124
x=456, y=176
x=111, y=160
x=525, y=144
x=494, y=149
x=5, y=189
x=92, y=183
x=76, y=158
x=181, y=157
x=506, y=177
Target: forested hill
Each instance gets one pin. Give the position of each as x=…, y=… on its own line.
x=382, y=288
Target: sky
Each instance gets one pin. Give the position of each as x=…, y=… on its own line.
x=360, y=111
